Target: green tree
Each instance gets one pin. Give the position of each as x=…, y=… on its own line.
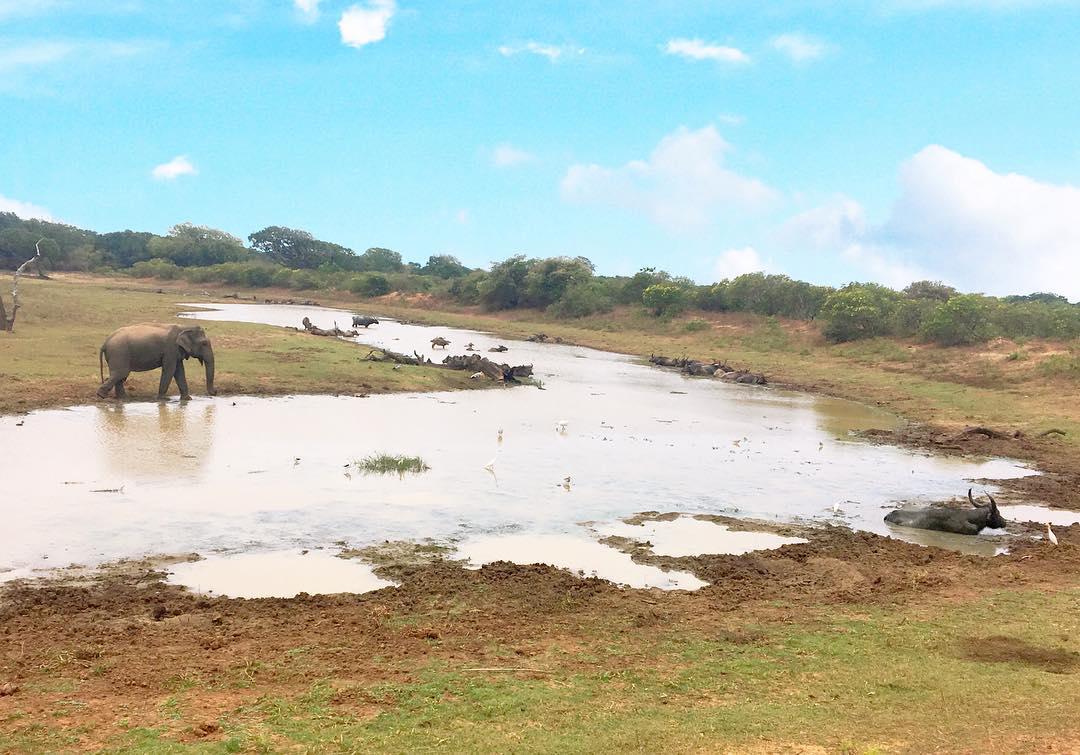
x=859, y=310
x=444, y=266
x=123, y=249
x=190, y=245
x=504, y=286
x=379, y=260
x=664, y=299
x=962, y=320
x=641, y=280
x=548, y=279
x=582, y=298
x=299, y=250
x=929, y=290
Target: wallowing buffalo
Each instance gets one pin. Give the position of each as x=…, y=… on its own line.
x=358, y=321
x=942, y=519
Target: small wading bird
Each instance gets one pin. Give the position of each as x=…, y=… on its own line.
x=560, y=426
x=836, y=508
x=476, y=376
x=1050, y=534
x=500, y=435
x=566, y=483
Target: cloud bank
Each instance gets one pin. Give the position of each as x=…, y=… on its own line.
x=362, y=25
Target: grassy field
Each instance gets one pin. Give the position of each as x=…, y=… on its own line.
x=52, y=357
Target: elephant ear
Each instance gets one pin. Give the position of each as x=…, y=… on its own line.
x=185, y=341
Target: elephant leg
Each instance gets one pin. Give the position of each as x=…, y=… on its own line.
x=181, y=382
x=168, y=370
x=121, y=391
x=115, y=380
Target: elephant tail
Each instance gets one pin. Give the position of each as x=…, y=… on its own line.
x=101, y=367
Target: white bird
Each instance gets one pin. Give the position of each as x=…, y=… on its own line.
x=490, y=466
x=1050, y=534
x=560, y=426
x=476, y=376
x=836, y=508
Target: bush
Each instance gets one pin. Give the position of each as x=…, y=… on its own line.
x=156, y=268
x=302, y=280
x=664, y=299
x=962, y=320
x=581, y=299
x=695, y=326
x=467, y=290
x=858, y=310
x=370, y=284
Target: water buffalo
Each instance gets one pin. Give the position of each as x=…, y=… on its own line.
x=942, y=519
x=363, y=320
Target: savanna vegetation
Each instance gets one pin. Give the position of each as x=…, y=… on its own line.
x=561, y=287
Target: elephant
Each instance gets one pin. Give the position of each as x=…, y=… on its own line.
x=959, y=521
x=138, y=348
x=365, y=321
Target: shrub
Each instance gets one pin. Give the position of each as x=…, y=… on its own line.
x=581, y=299
x=156, y=268
x=962, y=320
x=467, y=290
x=858, y=310
x=695, y=326
x=664, y=299
x=302, y=280
x=370, y=284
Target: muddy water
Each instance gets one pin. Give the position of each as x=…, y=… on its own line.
x=247, y=474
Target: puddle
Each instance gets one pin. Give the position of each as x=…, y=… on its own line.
x=983, y=544
x=264, y=474
x=687, y=536
x=1040, y=514
x=576, y=553
x=281, y=574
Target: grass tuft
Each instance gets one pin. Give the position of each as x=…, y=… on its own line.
x=387, y=463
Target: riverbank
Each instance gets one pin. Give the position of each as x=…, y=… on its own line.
x=51, y=360
x=848, y=643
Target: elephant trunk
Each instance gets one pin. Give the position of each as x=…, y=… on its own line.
x=208, y=361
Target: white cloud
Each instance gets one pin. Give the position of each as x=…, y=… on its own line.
x=799, y=47
x=682, y=185
x=958, y=220
x=736, y=262
x=178, y=166
x=309, y=8
x=507, y=156
x=362, y=25
x=553, y=53
x=24, y=210
x=696, y=49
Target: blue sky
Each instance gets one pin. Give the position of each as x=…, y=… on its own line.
x=878, y=140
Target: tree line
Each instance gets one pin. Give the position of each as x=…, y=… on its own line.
x=565, y=287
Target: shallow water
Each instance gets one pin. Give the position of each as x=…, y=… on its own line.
x=278, y=574
x=576, y=552
x=246, y=473
x=1040, y=514
x=687, y=536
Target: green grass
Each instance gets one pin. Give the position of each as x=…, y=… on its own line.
x=52, y=357
x=858, y=679
x=387, y=463
x=1061, y=365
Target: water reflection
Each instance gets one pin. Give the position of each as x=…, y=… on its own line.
x=173, y=439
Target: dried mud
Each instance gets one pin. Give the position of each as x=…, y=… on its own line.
x=126, y=641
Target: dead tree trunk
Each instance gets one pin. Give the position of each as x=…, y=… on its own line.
x=8, y=323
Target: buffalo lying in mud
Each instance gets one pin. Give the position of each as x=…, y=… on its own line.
x=363, y=321
x=708, y=369
x=958, y=521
